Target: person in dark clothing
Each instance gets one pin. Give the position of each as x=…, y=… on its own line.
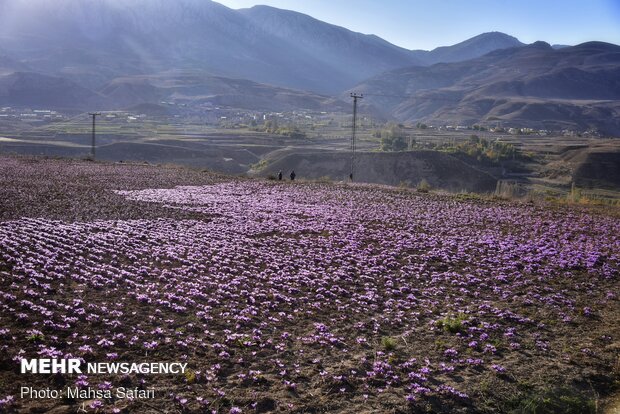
x=293, y=175
x=280, y=175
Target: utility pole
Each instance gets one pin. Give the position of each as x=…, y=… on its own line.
x=355, y=98
x=92, y=149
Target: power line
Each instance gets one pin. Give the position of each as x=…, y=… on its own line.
x=434, y=98
x=355, y=98
x=389, y=95
x=64, y=121
x=92, y=149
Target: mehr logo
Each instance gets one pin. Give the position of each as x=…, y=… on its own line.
x=51, y=366
x=73, y=366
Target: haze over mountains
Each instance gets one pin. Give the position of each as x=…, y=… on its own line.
x=92, y=42
x=111, y=54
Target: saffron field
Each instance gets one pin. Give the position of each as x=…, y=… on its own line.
x=302, y=297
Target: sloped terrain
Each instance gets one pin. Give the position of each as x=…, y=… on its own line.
x=28, y=89
x=198, y=87
x=598, y=169
x=407, y=168
x=334, y=46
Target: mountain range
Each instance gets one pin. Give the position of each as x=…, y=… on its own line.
x=536, y=85
x=111, y=54
x=92, y=42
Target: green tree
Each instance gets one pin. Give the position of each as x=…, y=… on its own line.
x=270, y=126
x=393, y=138
x=399, y=143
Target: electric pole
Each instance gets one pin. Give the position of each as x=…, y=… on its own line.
x=355, y=98
x=92, y=149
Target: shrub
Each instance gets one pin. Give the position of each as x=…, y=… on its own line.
x=423, y=186
x=388, y=343
x=35, y=337
x=190, y=376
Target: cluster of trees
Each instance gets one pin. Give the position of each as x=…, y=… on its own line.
x=394, y=138
x=271, y=126
x=484, y=150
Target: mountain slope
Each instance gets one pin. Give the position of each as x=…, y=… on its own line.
x=93, y=42
x=150, y=36
x=536, y=85
x=359, y=54
x=40, y=91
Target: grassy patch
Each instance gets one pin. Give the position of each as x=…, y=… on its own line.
x=260, y=165
x=452, y=324
x=562, y=401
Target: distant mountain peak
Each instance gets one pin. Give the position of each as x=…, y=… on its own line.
x=597, y=45
x=540, y=45
x=472, y=48
x=495, y=35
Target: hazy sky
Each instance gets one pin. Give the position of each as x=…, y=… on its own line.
x=425, y=24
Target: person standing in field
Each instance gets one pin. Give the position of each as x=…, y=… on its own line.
x=293, y=175
x=280, y=175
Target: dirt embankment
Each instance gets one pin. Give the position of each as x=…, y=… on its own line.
x=438, y=169
x=599, y=169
